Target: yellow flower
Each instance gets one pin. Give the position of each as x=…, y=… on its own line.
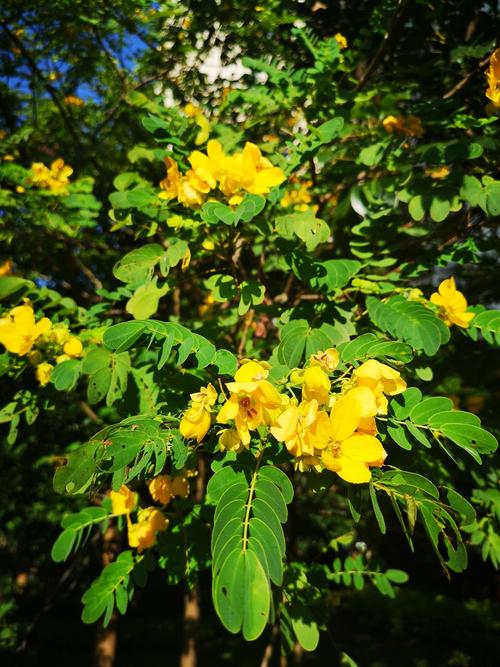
x=123, y=501
x=438, y=173
x=19, y=331
x=8, y=158
x=253, y=401
x=452, y=304
x=493, y=78
x=316, y=385
x=55, y=178
x=143, y=533
x=196, y=420
x=341, y=40
x=6, y=268
x=43, y=372
x=191, y=110
x=73, y=347
x=304, y=429
x=411, y=126
x=230, y=441
x=350, y=453
x=328, y=360
x=73, y=100
x=380, y=379
x=164, y=487
x=299, y=198
x=20, y=189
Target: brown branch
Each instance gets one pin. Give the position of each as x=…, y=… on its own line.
x=463, y=82
x=68, y=120
x=389, y=39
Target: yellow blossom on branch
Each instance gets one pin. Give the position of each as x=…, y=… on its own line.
x=350, y=453
x=43, y=373
x=493, y=78
x=73, y=347
x=73, y=100
x=164, y=487
x=253, y=401
x=304, y=429
x=54, y=178
x=316, y=385
x=381, y=380
x=244, y=171
x=197, y=419
x=410, y=126
x=123, y=501
x=142, y=534
x=341, y=40
x=328, y=360
x=6, y=268
x=19, y=330
x=452, y=304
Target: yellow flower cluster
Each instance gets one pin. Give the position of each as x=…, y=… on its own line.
x=74, y=101
x=341, y=40
x=452, y=304
x=20, y=332
x=150, y=520
x=300, y=198
x=493, y=78
x=333, y=430
x=233, y=175
x=54, y=178
x=409, y=126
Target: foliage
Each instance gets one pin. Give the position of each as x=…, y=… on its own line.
x=226, y=301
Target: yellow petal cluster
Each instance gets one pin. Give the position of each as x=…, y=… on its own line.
x=19, y=330
x=253, y=401
x=43, y=373
x=452, y=304
x=54, y=178
x=326, y=428
x=165, y=487
x=6, y=268
x=299, y=198
x=409, y=126
x=232, y=175
x=123, y=501
x=197, y=419
x=493, y=78
x=73, y=100
x=142, y=535
x=341, y=40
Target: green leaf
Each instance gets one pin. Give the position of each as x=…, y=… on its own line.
x=327, y=131
x=439, y=209
x=11, y=286
x=309, y=229
x=334, y=273
x=376, y=508
x=242, y=598
x=146, y=299
x=410, y=322
x=305, y=628
x=251, y=294
x=372, y=155
x=137, y=266
x=222, y=287
x=421, y=413
x=65, y=375
x=76, y=475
